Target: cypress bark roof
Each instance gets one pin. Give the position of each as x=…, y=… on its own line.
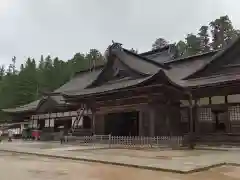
x=25, y=108
x=79, y=81
x=144, y=66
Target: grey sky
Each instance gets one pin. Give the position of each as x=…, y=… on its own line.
x=64, y=27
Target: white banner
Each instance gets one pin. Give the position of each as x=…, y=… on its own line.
x=35, y=123
x=46, y=122
x=60, y=114
x=51, y=122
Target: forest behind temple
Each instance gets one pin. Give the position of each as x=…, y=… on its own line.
x=35, y=76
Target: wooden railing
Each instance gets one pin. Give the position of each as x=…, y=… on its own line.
x=128, y=141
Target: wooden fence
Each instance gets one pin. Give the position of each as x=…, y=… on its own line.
x=109, y=141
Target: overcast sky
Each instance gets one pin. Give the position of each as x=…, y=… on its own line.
x=64, y=27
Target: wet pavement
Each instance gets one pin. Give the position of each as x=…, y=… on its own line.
x=26, y=167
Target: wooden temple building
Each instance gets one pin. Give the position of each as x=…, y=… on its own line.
x=148, y=94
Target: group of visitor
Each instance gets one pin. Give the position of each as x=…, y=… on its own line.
x=10, y=135
x=28, y=134
x=64, y=135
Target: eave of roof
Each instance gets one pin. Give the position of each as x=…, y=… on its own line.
x=27, y=108
x=56, y=95
x=120, y=86
x=89, y=70
x=216, y=57
x=189, y=58
x=154, y=51
x=161, y=65
x=211, y=80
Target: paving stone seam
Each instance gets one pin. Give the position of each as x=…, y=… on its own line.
x=124, y=164
x=212, y=149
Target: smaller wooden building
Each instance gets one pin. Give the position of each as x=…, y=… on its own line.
x=51, y=113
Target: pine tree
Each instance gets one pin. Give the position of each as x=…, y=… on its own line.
x=204, y=39
x=160, y=43
x=193, y=44
x=223, y=32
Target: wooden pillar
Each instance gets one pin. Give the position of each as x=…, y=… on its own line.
x=191, y=133
x=152, y=122
x=93, y=121
x=140, y=124
x=144, y=122
x=168, y=120
x=228, y=129
x=195, y=117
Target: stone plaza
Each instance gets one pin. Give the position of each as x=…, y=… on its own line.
x=105, y=163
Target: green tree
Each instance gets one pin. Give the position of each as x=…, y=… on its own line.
x=180, y=49
x=223, y=32
x=204, y=39
x=94, y=58
x=193, y=44
x=134, y=50
x=2, y=72
x=160, y=43
x=27, y=86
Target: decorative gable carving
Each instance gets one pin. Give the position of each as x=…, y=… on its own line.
x=117, y=71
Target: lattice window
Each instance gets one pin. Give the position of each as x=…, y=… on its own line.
x=184, y=115
x=205, y=114
x=234, y=113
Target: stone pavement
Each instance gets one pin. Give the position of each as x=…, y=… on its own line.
x=27, y=167
x=180, y=161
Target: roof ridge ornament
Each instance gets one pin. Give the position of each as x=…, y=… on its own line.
x=114, y=46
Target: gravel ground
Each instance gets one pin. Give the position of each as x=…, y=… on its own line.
x=22, y=167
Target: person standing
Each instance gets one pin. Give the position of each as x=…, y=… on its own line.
x=10, y=134
x=1, y=132
x=62, y=136
x=24, y=134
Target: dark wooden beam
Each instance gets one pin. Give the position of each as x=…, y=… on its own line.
x=116, y=93
x=217, y=90
x=153, y=95
x=129, y=91
x=121, y=108
x=226, y=99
